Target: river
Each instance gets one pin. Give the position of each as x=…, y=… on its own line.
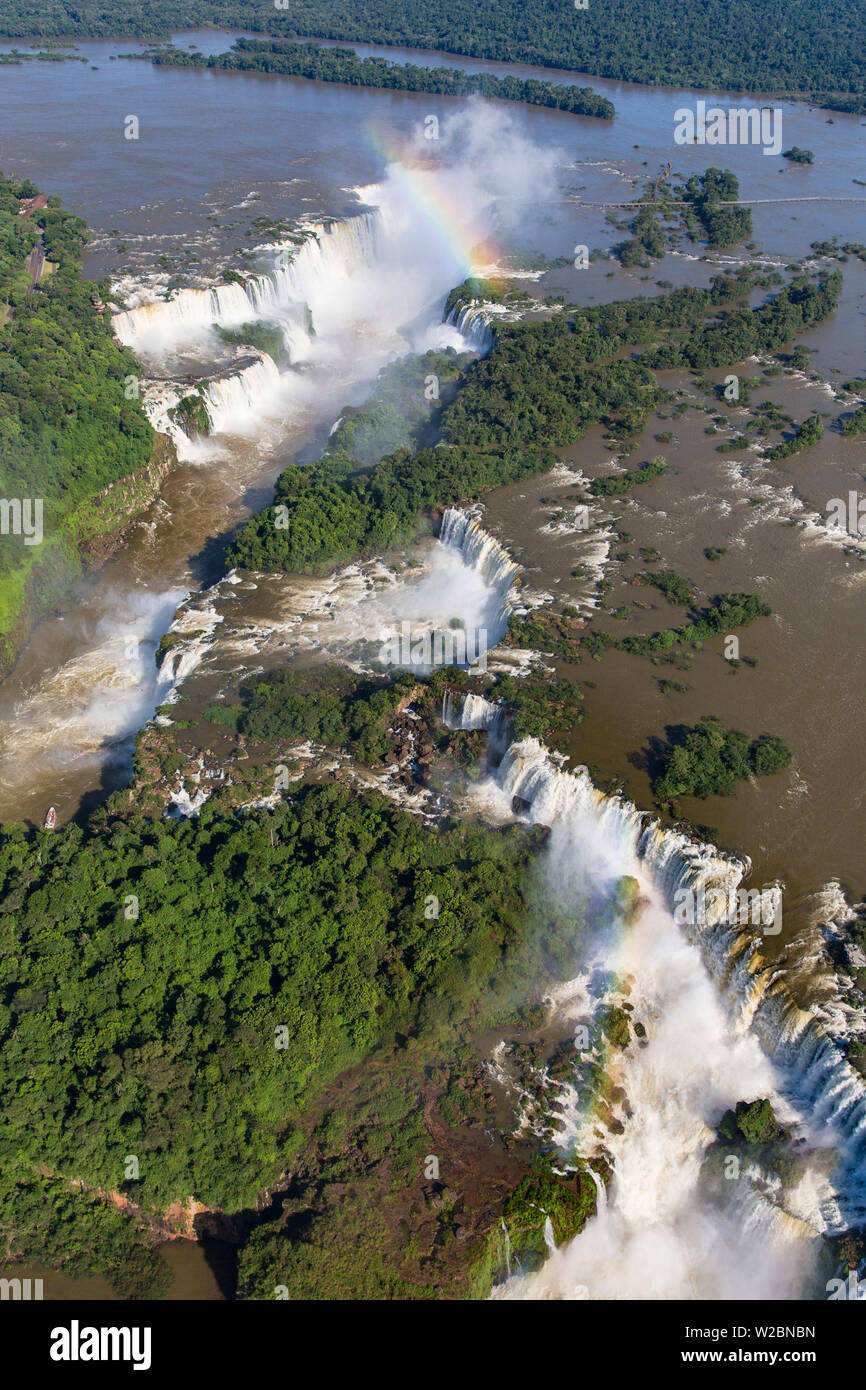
x=175, y=206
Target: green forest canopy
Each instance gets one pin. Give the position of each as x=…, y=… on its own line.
x=544, y=384
x=777, y=46
x=710, y=760
x=147, y=969
x=67, y=427
x=344, y=65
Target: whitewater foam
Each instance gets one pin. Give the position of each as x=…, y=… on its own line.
x=721, y=1027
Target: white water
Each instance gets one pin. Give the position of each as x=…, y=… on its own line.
x=368, y=616
x=472, y=322
x=299, y=279
x=480, y=551
x=360, y=292
x=356, y=294
x=236, y=404
x=468, y=578
x=87, y=706
x=720, y=1028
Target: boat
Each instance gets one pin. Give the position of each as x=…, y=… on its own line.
x=50, y=819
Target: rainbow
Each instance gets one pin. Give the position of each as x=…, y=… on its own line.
x=456, y=228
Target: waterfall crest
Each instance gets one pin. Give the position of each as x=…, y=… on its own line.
x=282, y=294
x=480, y=551
x=236, y=402
x=472, y=322
x=722, y=1026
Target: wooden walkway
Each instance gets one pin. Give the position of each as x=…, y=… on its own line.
x=738, y=203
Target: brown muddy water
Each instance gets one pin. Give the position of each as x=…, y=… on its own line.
x=217, y=150
x=806, y=826
x=173, y=209
x=203, y=1272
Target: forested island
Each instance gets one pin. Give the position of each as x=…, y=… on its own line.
x=700, y=207
x=342, y=65
x=543, y=386
x=75, y=442
x=702, y=43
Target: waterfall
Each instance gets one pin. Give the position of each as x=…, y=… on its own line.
x=189, y=637
x=283, y=294
x=478, y=713
x=472, y=322
x=159, y=398
x=182, y=806
x=507, y=1244
x=481, y=552
x=235, y=403
x=549, y=1237
x=812, y=1068
x=600, y=1190
x=192, y=309
x=478, y=548
x=721, y=1026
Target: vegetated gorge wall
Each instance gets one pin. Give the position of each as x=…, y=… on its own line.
x=92, y=533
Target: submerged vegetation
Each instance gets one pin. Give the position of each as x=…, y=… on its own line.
x=804, y=437
x=726, y=612
x=699, y=207
x=616, y=484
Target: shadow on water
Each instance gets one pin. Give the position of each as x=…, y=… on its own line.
x=652, y=757
x=208, y=565
x=220, y=1239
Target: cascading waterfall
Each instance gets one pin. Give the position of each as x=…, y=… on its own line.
x=159, y=398
x=283, y=293
x=482, y=552
x=191, y=309
x=352, y=297
x=722, y=1026
x=506, y=1241
x=191, y=634
x=549, y=1238
x=477, y=713
x=479, y=549
x=319, y=295
x=472, y=322
x=236, y=403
